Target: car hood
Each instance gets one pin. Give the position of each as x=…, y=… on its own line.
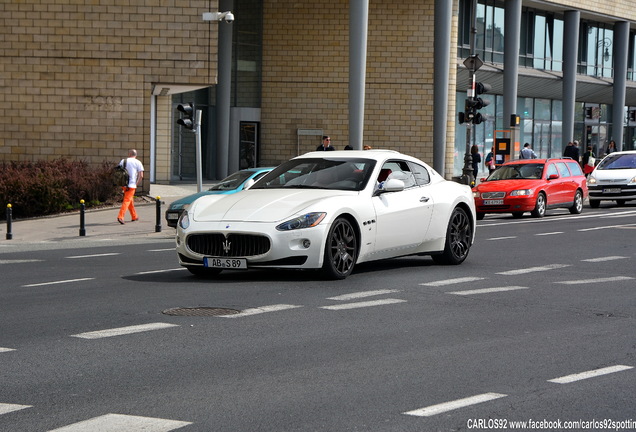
x=506, y=185
x=615, y=175
x=191, y=198
x=261, y=205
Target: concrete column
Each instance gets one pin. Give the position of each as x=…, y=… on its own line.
x=358, y=27
x=223, y=92
x=621, y=47
x=570, y=52
x=512, y=20
x=443, y=27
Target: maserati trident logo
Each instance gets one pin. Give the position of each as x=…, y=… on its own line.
x=226, y=246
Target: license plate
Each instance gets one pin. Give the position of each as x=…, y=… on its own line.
x=225, y=263
x=611, y=190
x=172, y=216
x=493, y=202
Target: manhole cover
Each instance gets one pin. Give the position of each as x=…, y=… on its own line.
x=200, y=311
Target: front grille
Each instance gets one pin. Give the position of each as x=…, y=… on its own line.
x=491, y=195
x=235, y=245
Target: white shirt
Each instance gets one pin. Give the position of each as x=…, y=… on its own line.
x=133, y=166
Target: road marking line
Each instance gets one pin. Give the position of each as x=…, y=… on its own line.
x=533, y=269
x=7, y=408
x=260, y=310
x=452, y=405
x=94, y=255
x=589, y=374
x=549, y=233
x=161, y=271
x=597, y=280
x=20, y=261
x=452, y=281
x=502, y=238
x=346, y=297
x=606, y=227
x=602, y=259
x=363, y=304
x=123, y=330
x=162, y=250
x=120, y=422
x=57, y=282
x=6, y=349
x=487, y=290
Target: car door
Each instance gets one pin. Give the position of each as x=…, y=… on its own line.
x=566, y=184
x=402, y=217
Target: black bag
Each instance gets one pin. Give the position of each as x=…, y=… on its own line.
x=120, y=175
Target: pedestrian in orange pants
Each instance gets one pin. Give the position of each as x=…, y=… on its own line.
x=136, y=173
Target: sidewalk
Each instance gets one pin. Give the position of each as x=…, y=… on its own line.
x=101, y=224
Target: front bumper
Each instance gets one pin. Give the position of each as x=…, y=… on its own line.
x=612, y=192
x=302, y=248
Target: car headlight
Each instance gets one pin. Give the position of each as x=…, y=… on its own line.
x=632, y=181
x=305, y=221
x=475, y=194
x=176, y=206
x=521, y=192
x=591, y=180
x=184, y=221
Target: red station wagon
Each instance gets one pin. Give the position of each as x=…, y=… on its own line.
x=532, y=185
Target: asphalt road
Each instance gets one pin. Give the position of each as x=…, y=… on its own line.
x=537, y=325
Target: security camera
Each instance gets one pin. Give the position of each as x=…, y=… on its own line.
x=229, y=17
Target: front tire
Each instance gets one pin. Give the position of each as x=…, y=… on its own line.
x=341, y=250
x=459, y=236
x=540, y=206
x=577, y=207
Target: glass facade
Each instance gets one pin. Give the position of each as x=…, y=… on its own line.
x=541, y=47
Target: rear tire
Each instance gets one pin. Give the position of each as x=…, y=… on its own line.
x=540, y=206
x=341, y=250
x=577, y=207
x=459, y=236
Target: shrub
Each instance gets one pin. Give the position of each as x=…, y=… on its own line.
x=48, y=187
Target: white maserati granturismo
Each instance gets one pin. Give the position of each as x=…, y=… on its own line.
x=330, y=211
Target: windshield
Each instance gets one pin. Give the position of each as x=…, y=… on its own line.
x=319, y=173
x=518, y=172
x=621, y=161
x=233, y=181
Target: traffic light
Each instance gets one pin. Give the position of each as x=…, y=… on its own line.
x=186, y=119
x=475, y=103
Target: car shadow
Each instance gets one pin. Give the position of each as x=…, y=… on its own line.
x=178, y=276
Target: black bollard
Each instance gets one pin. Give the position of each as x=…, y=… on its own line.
x=9, y=217
x=158, y=222
x=82, y=230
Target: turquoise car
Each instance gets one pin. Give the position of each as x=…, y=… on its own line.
x=234, y=183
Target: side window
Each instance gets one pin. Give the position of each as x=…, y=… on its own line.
x=422, y=176
x=397, y=170
x=563, y=170
x=551, y=170
x=575, y=168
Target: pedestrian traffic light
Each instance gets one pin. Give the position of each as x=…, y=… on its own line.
x=187, y=111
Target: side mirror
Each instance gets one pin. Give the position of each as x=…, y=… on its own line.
x=393, y=185
x=248, y=184
x=553, y=176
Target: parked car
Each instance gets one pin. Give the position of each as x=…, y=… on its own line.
x=532, y=185
x=330, y=211
x=614, y=178
x=234, y=183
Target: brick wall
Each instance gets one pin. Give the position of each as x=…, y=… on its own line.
x=306, y=76
x=76, y=76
